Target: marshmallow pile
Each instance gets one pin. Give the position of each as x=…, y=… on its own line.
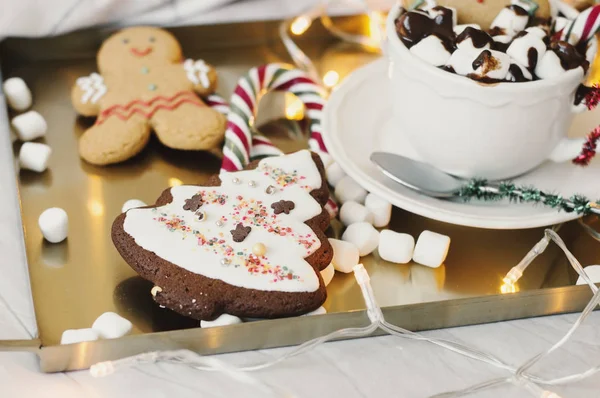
x=362, y=213
x=517, y=48
x=107, y=326
x=27, y=126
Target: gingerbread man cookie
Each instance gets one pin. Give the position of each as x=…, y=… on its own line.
x=248, y=243
x=142, y=86
x=481, y=12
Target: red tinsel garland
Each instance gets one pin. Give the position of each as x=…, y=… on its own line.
x=589, y=148
x=592, y=99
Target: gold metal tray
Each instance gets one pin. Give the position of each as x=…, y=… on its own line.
x=75, y=281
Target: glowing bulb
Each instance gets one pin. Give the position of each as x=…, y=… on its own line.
x=331, y=78
x=174, y=182
x=96, y=208
x=513, y=275
x=294, y=109
x=300, y=25
x=507, y=288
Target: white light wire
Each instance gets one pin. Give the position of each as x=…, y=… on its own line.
x=321, y=11
x=520, y=377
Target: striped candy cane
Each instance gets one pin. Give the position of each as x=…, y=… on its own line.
x=242, y=142
x=583, y=28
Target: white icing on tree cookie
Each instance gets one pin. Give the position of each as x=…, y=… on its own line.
x=201, y=229
x=93, y=88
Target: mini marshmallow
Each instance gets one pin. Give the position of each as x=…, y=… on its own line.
x=29, y=126
x=505, y=39
x=536, y=31
x=462, y=61
x=468, y=39
x=438, y=13
x=345, y=255
x=34, y=156
x=512, y=78
x=17, y=93
x=73, y=336
x=380, y=208
x=319, y=311
x=334, y=174
x=396, y=247
x=501, y=42
x=468, y=45
x=327, y=274
x=509, y=21
x=431, y=50
x=352, y=212
x=54, y=224
x=348, y=189
x=363, y=235
x=431, y=249
x=529, y=6
x=458, y=29
x=549, y=66
x=111, y=325
x=567, y=10
x=492, y=64
x=222, y=320
x=132, y=204
x=593, y=272
x=560, y=23
x=519, y=49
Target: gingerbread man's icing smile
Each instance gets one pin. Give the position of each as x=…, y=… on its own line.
x=141, y=53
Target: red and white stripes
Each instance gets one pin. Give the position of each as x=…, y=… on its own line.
x=242, y=142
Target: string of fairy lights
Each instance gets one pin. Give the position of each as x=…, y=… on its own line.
x=299, y=25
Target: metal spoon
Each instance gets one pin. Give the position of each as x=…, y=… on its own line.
x=424, y=178
x=420, y=177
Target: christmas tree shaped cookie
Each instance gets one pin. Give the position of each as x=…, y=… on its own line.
x=249, y=243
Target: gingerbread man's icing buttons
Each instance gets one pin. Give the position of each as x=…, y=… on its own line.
x=145, y=70
x=283, y=206
x=152, y=87
x=193, y=203
x=240, y=232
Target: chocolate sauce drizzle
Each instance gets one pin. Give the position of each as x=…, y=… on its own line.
x=413, y=26
x=532, y=58
x=478, y=37
x=517, y=74
x=569, y=57
x=581, y=93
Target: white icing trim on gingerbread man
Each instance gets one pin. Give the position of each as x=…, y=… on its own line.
x=93, y=88
x=197, y=72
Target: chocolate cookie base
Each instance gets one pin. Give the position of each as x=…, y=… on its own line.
x=199, y=297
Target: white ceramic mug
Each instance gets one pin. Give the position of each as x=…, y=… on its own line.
x=470, y=129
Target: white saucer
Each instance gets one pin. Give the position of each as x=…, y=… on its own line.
x=355, y=119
